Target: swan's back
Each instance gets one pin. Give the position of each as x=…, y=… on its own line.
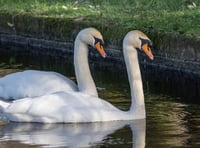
x=32, y=83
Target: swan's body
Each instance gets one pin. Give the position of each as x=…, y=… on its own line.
x=33, y=83
x=65, y=107
x=80, y=107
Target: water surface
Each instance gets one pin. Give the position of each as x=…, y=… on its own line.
x=173, y=119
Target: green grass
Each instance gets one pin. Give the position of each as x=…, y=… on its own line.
x=177, y=16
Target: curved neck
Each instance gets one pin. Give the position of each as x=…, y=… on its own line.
x=82, y=71
x=134, y=76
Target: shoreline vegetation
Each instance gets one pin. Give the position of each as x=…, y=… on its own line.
x=177, y=17
x=173, y=26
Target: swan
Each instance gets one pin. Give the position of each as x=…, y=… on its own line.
x=33, y=83
x=73, y=107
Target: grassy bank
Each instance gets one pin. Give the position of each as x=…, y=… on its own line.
x=180, y=16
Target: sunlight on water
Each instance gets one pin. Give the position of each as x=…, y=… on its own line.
x=170, y=122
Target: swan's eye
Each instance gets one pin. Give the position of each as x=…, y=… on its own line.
x=147, y=43
x=97, y=40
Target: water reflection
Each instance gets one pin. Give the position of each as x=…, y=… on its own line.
x=77, y=135
x=167, y=122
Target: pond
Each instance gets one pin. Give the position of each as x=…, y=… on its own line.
x=173, y=117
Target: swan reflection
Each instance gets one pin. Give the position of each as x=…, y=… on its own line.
x=74, y=135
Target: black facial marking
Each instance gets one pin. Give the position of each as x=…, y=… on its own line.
x=98, y=40
x=146, y=41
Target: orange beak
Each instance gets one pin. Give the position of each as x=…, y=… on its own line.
x=147, y=51
x=100, y=49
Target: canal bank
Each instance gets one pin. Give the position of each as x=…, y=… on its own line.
x=55, y=36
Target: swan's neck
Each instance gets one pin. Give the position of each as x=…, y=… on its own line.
x=134, y=76
x=82, y=71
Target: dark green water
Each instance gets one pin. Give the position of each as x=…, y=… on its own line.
x=173, y=119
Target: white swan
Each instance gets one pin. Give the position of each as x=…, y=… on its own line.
x=32, y=83
x=79, y=107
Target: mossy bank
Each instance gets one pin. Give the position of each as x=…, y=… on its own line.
x=51, y=26
x=172, y=50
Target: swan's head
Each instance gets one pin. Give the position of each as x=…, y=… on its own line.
x=93, y=37
x=140, y=41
